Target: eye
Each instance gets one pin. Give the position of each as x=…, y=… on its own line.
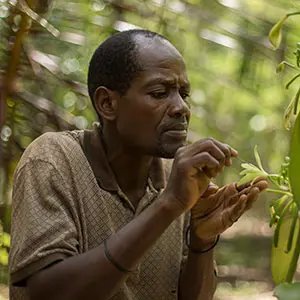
x=184, y=94
x=159, y=94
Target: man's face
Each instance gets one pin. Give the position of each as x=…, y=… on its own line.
x=154, y=114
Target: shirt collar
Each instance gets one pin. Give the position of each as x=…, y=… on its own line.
x=94, y=150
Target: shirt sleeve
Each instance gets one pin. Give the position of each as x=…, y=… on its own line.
x=43, y=228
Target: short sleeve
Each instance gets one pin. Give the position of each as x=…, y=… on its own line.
x=43, y=220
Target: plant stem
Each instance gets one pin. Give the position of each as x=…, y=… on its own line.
x=293, y=14
x=279, y=192
x=290, y=65
x=294, y=260
x=292, y=80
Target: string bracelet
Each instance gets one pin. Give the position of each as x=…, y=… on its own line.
x=112, y=260
x=198, y=251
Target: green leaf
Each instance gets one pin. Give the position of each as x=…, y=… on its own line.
x=287, y=291
x=250, y=173
x=283, y=265
x=280, y=222
x=275, y=34
x=287, y=116
x=296, y=101
x=3, y=257
x=288, y=261
x=5, y=239
x=280, y=67
x=249, y=166
x=294, y=166
x=276, y=208
x=257, y=158
x=293, y=227
x=249, y=177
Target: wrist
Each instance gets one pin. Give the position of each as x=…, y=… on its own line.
x=170, y=206
x=200, y=245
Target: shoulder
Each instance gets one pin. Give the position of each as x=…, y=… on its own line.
x=53, y=148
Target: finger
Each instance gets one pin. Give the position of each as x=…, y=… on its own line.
x=242, y=186
x=252, y=197
x=228, y=151
x=210, y=143
x=204, y=160
x=207, y=146
x=218, y=197
x=259, y=178
x=207, y=205
x=239, y=208
x=233, y=213
x=206, y=163
x=211, y=189
x=211, y=172
x=230, y=195
x=261, y=185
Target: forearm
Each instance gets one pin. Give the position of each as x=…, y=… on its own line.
x=198, y=279
x=91, y=275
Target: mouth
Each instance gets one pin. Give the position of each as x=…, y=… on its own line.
x=179, y=131
x=176, y=132
x=178, y=127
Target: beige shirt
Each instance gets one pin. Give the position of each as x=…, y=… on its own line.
x=66, y=201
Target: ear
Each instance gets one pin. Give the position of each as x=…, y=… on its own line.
x=106, y=103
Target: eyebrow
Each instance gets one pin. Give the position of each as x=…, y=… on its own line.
x=166, y=81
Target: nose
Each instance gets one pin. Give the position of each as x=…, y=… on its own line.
x=179, y=108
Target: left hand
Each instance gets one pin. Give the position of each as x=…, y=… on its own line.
x=219, y=208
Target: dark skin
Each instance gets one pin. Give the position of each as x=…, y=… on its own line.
x=150, y=120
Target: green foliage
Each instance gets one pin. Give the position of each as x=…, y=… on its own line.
x=291, y=232
x=283, y=211
x=251, y=172
x=275, y=35
x=235, y=96
x=4, y=246
x=294, y=168
x=288, y=291
x=282, y=260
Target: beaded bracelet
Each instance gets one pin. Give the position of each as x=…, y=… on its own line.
x=113, y=262
x=187, y=239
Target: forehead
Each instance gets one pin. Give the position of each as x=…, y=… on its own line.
x=160, y=60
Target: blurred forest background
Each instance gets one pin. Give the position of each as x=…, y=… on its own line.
x=237, y=97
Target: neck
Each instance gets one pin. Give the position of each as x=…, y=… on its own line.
x=130, y=169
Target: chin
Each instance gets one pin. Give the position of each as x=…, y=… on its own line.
x=169, y=150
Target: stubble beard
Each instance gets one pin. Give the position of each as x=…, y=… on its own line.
x=167, y=150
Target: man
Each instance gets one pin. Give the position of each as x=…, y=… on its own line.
x=95, y=215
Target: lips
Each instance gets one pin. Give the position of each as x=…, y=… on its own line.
x=178, y=127
x=176, y=133
x=178, y=130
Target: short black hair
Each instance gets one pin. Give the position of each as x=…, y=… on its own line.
x=114, y=63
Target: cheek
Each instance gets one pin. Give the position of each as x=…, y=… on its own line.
x=142, y=120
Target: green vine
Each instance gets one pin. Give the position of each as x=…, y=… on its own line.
x=285, y=209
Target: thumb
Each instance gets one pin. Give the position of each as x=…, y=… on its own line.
x=211, y=189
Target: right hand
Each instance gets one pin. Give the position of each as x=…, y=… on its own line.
x=193, y=167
